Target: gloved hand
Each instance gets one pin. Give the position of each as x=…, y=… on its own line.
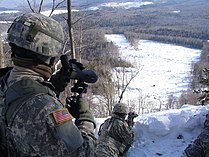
x=131, y=116
x=63, y=76
x=79, y=108
x=61, y=79
x=78, y=64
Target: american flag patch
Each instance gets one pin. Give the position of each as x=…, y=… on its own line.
x=62, y=115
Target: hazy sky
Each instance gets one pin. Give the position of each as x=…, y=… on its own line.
x=16, y=3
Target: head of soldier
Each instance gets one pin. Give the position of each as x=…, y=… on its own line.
x=121, y=110
x=36, y=42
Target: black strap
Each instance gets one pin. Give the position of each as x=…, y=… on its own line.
x=100, y=127
x=108, y=128
x=3, y=71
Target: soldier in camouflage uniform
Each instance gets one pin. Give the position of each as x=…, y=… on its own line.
x=38, y=124
x=200, y=147
x=115, y=134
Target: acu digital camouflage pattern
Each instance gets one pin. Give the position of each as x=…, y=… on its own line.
x=38, y=33
x=120, y=108
x=200, y=147
x=34, y=132
x=116, y=136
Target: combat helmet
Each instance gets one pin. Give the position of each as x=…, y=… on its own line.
x=120, y=108
x=37, y=33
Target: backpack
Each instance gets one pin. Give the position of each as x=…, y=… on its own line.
x=4, y=72
x=10, y=101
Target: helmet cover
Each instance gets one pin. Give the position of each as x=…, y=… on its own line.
x=38, y=33
x=120, y=108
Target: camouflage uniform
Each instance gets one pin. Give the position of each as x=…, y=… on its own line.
x=200, y=147
x=38, y=124
x=116, y=136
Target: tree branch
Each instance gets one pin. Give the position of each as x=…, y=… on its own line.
x=30, y=6
x=40, y=6
x=55, y=7
x=121, y=96
x=82, y=18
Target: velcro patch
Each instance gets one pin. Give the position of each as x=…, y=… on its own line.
x=62, y=115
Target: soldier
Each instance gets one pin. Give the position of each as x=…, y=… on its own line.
x=37, y=123
x=116, y=134
x=200, y=147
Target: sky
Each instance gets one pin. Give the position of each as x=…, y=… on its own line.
x=12, y=4
x=165, y=133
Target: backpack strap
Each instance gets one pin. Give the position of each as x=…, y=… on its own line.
x=20, y=92
x=3, y=71
x=4, y=74
x=108, y=126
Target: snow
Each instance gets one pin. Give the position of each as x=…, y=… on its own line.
x=176, y=11
x=165, y=133
x=5, y=22
x=163, y=68
x=125, y=5
x=9, y=12
x=55, y=12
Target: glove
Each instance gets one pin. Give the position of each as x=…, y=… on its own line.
x=131, y=116
x=61, y=79
x=79, y=108
x=78, y=64
x=63, y=76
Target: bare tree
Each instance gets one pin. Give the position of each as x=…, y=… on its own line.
x=172, y=102
x=1, y=53
x=123, y=76
x=141, y=103
x=70, y=29
x=32, y=8
x=39, y=7
x=55, y=6
x=124, y=87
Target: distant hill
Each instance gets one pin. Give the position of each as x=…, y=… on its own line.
x=11, y=4
x=3, y=9
x=14, y=4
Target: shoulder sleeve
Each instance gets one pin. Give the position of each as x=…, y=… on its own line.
x=60, y=124
x=63, y=129
x=122, y=132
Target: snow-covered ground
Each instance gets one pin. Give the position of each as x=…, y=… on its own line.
x=166, y=133
x=163, y=68
x=126, y=5
x=9, y=12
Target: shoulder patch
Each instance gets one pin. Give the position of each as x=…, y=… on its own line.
x=62, y=115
